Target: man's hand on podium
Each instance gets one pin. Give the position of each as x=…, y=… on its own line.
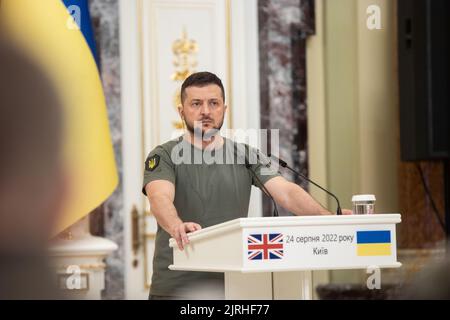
x=179, y=232
x=346, y=212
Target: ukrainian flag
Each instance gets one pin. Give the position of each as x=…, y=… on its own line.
x=51, y=35
x=373, y=243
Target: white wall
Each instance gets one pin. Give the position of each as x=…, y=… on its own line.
x=352, y=105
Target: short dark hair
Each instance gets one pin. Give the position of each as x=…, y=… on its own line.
x=201, y=79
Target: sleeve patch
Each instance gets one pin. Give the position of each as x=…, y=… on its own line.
x=152, y=163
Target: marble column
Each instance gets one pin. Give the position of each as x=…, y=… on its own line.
x=283, y=28
x=105, y=17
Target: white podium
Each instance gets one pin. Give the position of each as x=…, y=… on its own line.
x=272, y=258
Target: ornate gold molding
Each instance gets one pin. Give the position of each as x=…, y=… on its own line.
x=185, y=62
x=85, y=266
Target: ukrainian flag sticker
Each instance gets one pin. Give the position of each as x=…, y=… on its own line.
x=373, y=243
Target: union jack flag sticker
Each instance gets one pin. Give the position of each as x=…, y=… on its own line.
x=266, y=246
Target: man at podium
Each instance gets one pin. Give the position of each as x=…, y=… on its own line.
x=188, y=191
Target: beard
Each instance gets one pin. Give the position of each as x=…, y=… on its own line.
x=197, y=130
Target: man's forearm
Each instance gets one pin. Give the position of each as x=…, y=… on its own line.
x=164, y=212
x=302, y=203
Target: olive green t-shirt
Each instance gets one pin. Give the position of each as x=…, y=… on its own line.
x=211, y=187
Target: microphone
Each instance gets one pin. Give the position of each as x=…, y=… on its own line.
x=285, y=165
x=249, y=167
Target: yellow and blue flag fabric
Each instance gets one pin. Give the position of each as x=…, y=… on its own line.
x=79, y=10
x=58, y=36
x=373, y=243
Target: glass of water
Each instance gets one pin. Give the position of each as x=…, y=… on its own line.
x=363, y=204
